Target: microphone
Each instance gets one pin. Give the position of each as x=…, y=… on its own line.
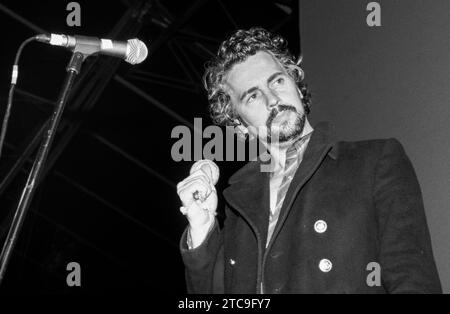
x=212, y=172
x=132, y=51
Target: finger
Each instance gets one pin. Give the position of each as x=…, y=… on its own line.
x=198, y=175
x=194, y=178
x=187, y=193
x=211, y=202
x=210, y=194
x=194, y=186
x=188, y=184
x=201, y=172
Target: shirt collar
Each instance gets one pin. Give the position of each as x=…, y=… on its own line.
x=300, y=145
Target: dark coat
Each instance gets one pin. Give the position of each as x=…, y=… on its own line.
x=368, y=195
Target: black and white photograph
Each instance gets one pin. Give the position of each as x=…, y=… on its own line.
x=190, y=149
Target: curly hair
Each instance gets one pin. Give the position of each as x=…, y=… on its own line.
x=237, y=48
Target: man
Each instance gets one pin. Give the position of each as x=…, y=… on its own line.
x=332, y=216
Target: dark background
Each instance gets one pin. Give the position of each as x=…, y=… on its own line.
x=389, y=81
x=108, y=199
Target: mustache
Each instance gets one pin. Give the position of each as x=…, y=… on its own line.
x=277, y=110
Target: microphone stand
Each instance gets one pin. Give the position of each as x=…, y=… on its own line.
x=73, y=69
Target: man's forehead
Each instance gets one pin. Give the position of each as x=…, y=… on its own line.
x=245, y=75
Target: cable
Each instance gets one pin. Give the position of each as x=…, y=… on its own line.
x=15, y=74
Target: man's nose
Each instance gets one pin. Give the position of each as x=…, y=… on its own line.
x=272, y=100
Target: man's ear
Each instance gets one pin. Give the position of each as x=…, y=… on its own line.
x=300, y=92
x=242, y=129
x=240, y=126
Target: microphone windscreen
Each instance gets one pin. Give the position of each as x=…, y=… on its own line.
x=208, y=167
x=136, y=51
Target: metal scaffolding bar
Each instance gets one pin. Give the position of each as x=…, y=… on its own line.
x=104, y=201
x=192, y=89
x=22, y=20
x=186, y=60
x=128, y=25
x=173, y=28
x=157, y=76
x=153, y=101
x=202, y=47
x=25, y=150
x=283, y=22
x=134, y=160
x=76, y=236
x=30, y=147
x=228, y=15
x=84, y=242
x=190, y=33
x=181, y=63
x=115, y=208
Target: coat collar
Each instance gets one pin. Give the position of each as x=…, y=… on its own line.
x=249, y=190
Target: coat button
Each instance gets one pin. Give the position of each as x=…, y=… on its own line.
x=320, y=226
x=325, y=265
x=232, y=262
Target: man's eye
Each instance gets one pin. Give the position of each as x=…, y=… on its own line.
x=251, y=97
x=279, y=81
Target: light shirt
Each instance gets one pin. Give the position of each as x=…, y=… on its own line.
x=276, y=180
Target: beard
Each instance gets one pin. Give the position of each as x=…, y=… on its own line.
x=286, y=130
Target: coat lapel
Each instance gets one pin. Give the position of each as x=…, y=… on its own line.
x=322, y=142
x=249, y=190
x=249, y=194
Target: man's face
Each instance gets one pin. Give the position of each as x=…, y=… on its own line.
x=266, y=98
